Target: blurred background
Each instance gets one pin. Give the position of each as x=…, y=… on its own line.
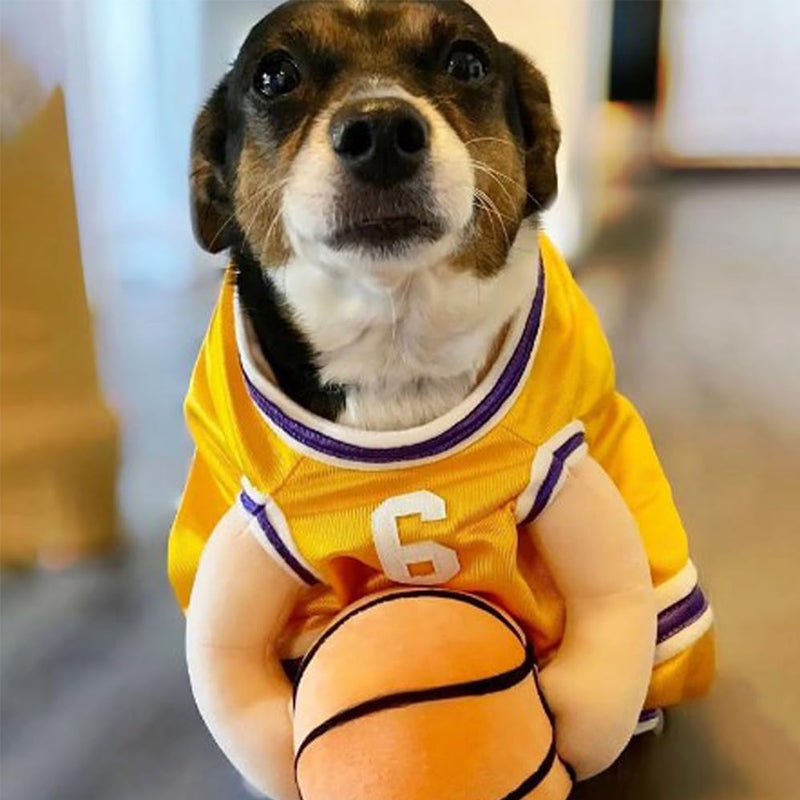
x=680, y=211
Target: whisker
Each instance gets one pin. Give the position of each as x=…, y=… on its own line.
x=253, y=222
x=481, y=203
x=493, y=206
x=495, y=139
x=256, y=198
x=511, y=180
x=265, y=197
x=265, y=243
x=488, y=172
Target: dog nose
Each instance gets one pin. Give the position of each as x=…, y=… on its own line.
x=381, y=141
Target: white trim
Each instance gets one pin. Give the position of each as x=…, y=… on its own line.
x=279, y=523
x=576, y=456
x=253, y=493
x=254, y=529
x=541, y=467
x=539, y=470
x=248, y=350
x=656, y=724
x=685, y=638
x=676, y=588
x=278, y=519
x=564, y=435
x=562, y=479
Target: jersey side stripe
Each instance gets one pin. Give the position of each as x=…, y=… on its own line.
x=650, y=720
x=682, y=614
x=549, y=471
x=569, y=452
x=259, y=513
x=676, y=588
x=683, y=625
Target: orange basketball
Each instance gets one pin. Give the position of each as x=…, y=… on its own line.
x=424, y=695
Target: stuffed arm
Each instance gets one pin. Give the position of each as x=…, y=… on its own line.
x=618, y=439
x=239, y=604
x=597, y=682
x=236, y=595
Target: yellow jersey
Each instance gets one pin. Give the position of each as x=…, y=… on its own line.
x=349, y=512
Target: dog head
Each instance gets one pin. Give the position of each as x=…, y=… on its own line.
x=374, y=136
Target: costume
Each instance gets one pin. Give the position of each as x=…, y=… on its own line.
x=351, y=513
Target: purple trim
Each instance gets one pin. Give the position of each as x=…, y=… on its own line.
x=682, y=614
x=259, y=513
x=460, y=432
x=570, y=446
x=647, y=718
x=545, y=493
x=649, y=714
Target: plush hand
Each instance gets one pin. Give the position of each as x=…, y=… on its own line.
x=597, y=696
x=239, y=605
x=597, y=681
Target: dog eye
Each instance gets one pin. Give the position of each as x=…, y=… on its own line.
x=277, y=74
x=467, y=62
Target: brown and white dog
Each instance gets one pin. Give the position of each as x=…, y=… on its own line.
x=369, y=165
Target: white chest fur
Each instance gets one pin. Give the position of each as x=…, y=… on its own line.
x=409, y=349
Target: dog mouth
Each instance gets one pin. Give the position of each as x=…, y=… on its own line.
x=387, y=233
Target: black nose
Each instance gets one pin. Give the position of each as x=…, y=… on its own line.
x=382, y=141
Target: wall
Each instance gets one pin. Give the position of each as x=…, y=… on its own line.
x=133, y=87
x=732, y=81
x=570, y=41
x=131, y=70
x=35, y=33
x=226, y=23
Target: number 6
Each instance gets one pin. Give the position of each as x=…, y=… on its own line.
x=397, y=558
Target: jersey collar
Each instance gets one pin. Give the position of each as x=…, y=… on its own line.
x=337, y=444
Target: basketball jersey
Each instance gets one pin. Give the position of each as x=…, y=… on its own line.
x=451, y=503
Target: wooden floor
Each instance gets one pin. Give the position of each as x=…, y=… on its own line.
x=699, y=285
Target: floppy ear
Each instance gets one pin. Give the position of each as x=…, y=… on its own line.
x=211, y=202
x=540, y=130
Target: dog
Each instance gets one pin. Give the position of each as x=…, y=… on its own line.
x=369, y=166
x=402, y=385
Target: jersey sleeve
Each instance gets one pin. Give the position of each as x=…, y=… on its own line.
x=619, y=440
x=212, y=485
x=684, y=662
x=205, y=501
x=235, y=464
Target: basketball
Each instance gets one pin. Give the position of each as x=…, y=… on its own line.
x=423, y=694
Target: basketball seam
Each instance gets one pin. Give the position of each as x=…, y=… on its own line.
x=467, y=599
x=536, y=778
x=476, y=688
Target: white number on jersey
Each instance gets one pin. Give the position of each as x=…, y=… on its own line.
x=397, y=559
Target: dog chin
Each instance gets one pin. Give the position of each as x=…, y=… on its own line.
x=383, y=256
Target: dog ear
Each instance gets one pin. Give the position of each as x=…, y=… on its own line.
x=212, y=208
x=540, y=131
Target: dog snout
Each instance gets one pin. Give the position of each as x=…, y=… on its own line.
x=382, y=142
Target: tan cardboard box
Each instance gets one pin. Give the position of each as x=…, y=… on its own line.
x=58, y=439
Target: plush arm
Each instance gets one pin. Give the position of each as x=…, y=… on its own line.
x=597, y=681
x=239, y=604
